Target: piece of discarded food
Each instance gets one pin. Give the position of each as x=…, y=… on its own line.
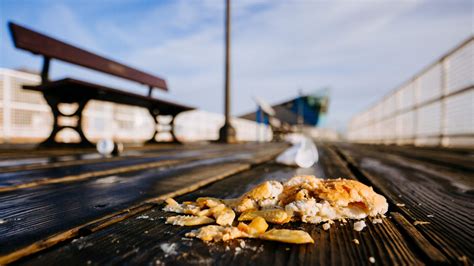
x=217, y=233
x=259, y=225
x=218, y=208
x=244, y=228
x=303, y=198
x=276, y=216
x=287, y=236
x=224, y=216
x=261, y=196
x=205, y=212
x=173, y=206
x=191, y=209
x=420, y=223
x=208, y=202
x=187, y=220
x=256, y=227
x=359, y=225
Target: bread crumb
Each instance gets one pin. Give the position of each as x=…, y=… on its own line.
x=143, y=217
x=463, y=259
x=430, y=215
x=169, y=249
x=400, y=204
x=372, y=259
x=326, y=226
x=356, y=241
x=242, y=244
x=377, y=221
x=420, y=223
x=358, y=226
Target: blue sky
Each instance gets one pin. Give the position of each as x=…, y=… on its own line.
x=360, y=49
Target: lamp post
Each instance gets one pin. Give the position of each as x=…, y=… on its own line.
x=227, y=132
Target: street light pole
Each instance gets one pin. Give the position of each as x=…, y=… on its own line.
x=227, y=132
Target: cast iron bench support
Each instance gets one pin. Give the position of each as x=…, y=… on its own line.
x=53, y=102
x=155, y=115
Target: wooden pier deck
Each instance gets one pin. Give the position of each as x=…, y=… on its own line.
x=75, y=207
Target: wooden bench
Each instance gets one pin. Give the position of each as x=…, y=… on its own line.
x=75, y=91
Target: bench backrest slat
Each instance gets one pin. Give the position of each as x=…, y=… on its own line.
x=38, y=43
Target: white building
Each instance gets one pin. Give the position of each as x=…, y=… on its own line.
x=26, y=118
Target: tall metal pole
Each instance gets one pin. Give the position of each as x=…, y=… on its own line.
x=227, y=132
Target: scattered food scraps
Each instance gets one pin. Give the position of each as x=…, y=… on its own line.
x=302, y=198
x=358, y=226
x=326, y=226
x=188, y=220
x=420, y=223
x=169, y=249
x=287, y=236
x=377, y=221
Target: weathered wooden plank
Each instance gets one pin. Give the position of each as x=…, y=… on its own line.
x=14, y=160
x=462, y=160
x=52, y=161
x=439, y=198
x=57, y=208
x=55, y=174
x=424, y=245
x=62, y=211
x=143, y=239
x=203, y=179
x=32, y=163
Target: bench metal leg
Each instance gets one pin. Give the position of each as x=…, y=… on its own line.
x=154, y=113
x=54, y=102
x=173, y=136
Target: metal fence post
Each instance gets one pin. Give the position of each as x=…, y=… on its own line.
x=444, y=92
x=7, y=114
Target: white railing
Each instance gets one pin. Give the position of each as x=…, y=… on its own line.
x=435, y=107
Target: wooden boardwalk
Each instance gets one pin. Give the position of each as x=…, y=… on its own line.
x=74, y=207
